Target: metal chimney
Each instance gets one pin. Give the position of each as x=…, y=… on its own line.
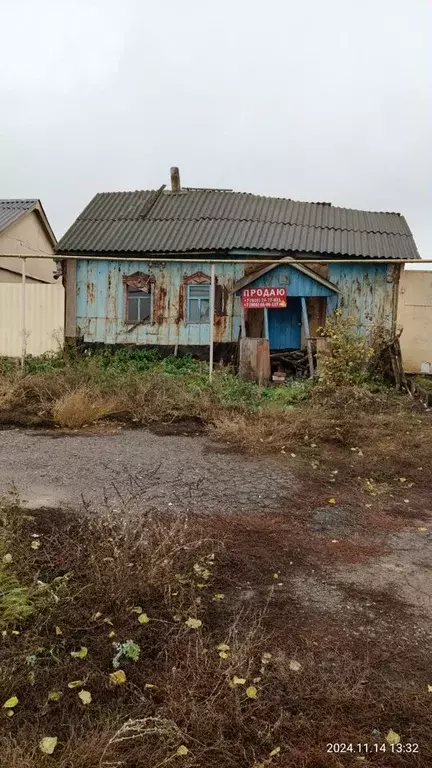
x=175, y=179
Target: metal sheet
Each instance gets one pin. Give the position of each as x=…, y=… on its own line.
x=368, y=293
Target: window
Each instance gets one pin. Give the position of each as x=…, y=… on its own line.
x=138, y=308
x=198, y=303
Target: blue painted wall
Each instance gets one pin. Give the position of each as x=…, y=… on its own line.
x=368, y=292
x=100, y=304
x=296, y=282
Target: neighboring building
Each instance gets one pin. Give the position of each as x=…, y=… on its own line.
x=415, y=320
x=33, y=312
x=25, y=231
x=166, y=302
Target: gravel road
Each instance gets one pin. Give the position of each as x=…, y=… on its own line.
x=186, y=472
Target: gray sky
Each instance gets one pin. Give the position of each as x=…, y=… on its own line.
x=325, y=100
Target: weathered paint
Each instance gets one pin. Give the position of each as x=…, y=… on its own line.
x=285, y=325
x=100, y=303
x=368, y=292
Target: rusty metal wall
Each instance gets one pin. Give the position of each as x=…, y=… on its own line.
x=101, y=310
x=368, y=292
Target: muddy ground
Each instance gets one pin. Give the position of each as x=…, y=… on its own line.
x=338, y=563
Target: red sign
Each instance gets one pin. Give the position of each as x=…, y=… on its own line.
x=264, y=298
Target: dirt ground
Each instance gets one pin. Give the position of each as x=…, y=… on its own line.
x=340, y=565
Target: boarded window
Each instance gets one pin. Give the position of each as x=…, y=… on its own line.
x=198, y=304
x=139, y=305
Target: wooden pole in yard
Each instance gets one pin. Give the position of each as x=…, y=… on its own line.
x=212, y=312
x=23, y=315
x=266, y=325
x=307, y=334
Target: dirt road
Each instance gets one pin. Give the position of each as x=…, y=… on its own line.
x=185, y=472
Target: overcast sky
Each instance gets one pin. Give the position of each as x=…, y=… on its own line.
x=320, y=100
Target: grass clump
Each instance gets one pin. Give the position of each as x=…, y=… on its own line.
x=81, y=407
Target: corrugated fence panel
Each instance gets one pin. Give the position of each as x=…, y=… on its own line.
x=101, y=310
x=415, y=319
x=44, y=318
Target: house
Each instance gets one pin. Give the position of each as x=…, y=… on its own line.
x=141, y=272
x=25, y=231
x=31, y=300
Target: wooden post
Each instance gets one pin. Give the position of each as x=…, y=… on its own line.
x=243, y=322
x=307, y=335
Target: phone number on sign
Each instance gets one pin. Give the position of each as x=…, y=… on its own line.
x=397, y=749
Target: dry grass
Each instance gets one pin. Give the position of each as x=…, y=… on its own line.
x=81, y=407
x=108, y=566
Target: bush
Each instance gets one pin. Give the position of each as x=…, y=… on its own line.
x=346, y=360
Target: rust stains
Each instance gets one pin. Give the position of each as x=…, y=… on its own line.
x=159, y=304
x=91, y=293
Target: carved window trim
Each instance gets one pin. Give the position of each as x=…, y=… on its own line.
x=143, y=282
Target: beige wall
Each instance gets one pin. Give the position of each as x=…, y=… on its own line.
x=415, y=318
x=13, y=277
x=44, y=326
x=26, y=236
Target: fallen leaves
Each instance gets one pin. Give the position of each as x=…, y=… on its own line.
x=48, y=744
x=76, y=684
x=85, y=697
x=182, y=751
x=81, y=654
x=118, y=677
x=11, y=703
x=238, y=680
x=54, y=695
x=251, y=692
x=143, y=618
x=35, y=544
x=193, y=623
x=294, y=665
x=332, y=500
x=392, y=737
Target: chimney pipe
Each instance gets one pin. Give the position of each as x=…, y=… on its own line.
x=175, y=179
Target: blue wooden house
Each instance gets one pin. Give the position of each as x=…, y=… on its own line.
x=139, y=272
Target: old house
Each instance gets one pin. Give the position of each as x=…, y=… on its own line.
x=141, y=270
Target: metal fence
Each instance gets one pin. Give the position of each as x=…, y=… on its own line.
x=40, y=321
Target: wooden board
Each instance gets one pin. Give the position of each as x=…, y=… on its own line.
x=254, y=360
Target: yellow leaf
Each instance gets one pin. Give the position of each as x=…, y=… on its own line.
x=251, y=692
x=58, y=631
x=422, y=529
x=193, y=623
x=143, y=618
x=294, y=665
x=266, y=657
x=223, y=647
x=85, y=697
x=182, y=750
x=223, y=654
x=35, y=544
x=10, y=713
x=111, y=634
x=150, y=686
x=218, y=596
x=81, y=654
x=10, y=703
x=48, y=744
x=118, y=677
x=238, y=680
x=137, y=609
x=54, y=695
x=275, y=752
x=107, y=620
x=201, y=586
x=429, y=689
x=332, y=500
x=276, y=575
x=392, y=737
x=96, y=616
x=76, y=684
x=7, y=558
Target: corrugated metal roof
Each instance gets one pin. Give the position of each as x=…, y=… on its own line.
x=215, y=220
x=10, y=210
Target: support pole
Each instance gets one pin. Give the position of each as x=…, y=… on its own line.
x=23, y=315
x=212, y=312
x=266, y=325
x=243, y=322
x=307, y=334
